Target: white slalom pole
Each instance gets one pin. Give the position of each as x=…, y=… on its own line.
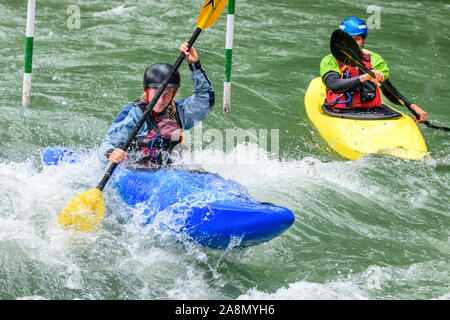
x=26, y=93
x=228, y=56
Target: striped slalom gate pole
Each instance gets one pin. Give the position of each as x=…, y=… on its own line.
x=28, y=53
x=228, y=56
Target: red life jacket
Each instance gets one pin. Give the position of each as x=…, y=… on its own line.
x=352, y=98
x=164, y=132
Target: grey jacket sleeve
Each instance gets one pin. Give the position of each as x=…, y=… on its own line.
x=197, y=107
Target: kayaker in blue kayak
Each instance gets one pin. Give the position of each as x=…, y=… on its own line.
x=163, y=128
x=350, y=87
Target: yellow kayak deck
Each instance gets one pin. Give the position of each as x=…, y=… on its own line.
x=353, y=138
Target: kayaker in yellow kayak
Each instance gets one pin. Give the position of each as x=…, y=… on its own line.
x=350, y=87
x=162, y=130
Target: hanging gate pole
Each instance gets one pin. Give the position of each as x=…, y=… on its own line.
x=228, y=55
x=28, y=53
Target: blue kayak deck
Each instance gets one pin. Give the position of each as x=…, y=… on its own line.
x=210, y=209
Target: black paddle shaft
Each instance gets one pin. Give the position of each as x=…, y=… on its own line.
x=141, y=121
x=345, y=49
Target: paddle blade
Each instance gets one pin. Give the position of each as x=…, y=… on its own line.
x=211, y=11
x=84, y=212
x=345, y=49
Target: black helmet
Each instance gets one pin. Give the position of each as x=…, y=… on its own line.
x=154, y=76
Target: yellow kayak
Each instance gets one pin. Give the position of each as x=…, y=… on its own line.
x=352, y=138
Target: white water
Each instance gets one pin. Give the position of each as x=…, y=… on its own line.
x=130, y=261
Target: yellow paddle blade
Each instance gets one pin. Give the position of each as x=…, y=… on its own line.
x=84, y=212
x=211, y=11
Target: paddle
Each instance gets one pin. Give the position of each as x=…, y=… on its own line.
x=345, y=49
x=86, y=210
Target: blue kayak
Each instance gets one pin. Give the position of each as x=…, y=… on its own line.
x=209, y=209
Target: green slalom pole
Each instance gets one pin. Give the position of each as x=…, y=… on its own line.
x=28, y=53
x=228, y=55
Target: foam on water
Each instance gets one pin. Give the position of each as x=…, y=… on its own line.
x=304, y=290
x=374, y=282
x=147, y=262
x=127, y=260
x=120, y=10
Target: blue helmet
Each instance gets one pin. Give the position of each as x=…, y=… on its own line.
x=354, y=26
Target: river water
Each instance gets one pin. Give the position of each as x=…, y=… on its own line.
x=376, y=228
